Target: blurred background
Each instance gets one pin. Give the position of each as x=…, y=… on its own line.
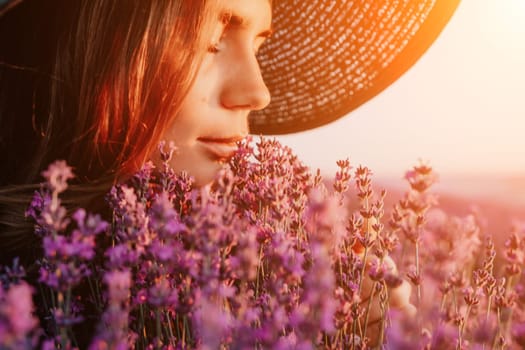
x=461, y=109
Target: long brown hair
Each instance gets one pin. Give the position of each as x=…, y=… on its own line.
x=94, y=83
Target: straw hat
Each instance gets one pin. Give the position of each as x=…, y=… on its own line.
x=328, y=57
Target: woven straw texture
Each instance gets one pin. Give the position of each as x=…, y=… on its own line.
x=328, y=57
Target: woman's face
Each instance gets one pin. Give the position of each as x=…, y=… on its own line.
x=228, y=85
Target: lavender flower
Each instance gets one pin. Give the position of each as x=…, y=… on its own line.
x=113, y=328
x=267, y=256
x=57, y=175
x=17, y=323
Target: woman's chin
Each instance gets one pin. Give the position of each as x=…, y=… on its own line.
x=198, y=165
x=203, y=180
x=204, y=173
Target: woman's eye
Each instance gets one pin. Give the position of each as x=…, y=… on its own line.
x=213, y=48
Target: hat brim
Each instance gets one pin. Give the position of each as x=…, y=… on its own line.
x=326, y=58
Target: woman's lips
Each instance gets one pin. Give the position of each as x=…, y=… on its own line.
x=219, y=149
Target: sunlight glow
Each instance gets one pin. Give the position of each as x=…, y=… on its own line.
x=507, y=17
x=460, y=107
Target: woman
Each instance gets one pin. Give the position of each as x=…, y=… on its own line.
x=99, y=83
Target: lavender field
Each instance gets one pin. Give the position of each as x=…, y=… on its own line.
x=270, y=256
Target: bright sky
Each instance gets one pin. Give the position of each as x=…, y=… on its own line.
x=461, y=107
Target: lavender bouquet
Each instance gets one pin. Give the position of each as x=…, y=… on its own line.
x=269, y=256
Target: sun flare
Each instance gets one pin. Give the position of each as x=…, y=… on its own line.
x=510, y=15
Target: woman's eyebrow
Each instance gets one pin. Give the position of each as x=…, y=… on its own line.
x=230, y=19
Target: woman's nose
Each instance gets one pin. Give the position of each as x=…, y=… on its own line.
x=244, y=87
